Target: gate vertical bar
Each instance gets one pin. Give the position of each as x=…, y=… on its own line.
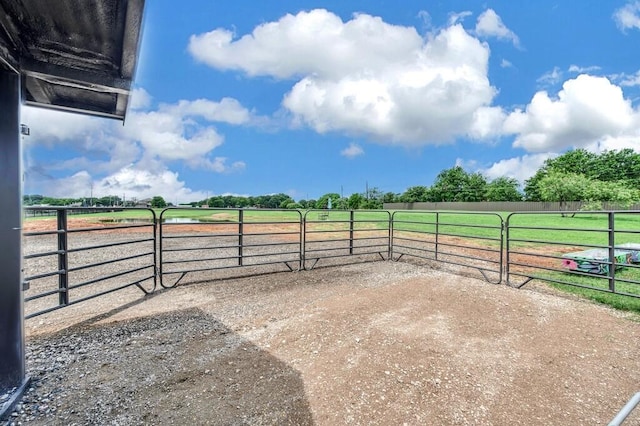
x=301, y=246
x=612, y=252
x=507, y=246
x=63, y=259
x=303, y=258
x=437, y=233
x=240, y=235
x=12, y=352
x=390, y=233
x=502, y=234
x=351, y=217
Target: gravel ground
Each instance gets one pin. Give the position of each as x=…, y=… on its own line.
x=373, y=343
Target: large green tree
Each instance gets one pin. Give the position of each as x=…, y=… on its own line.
x=415, y=194
x=390, y=197
x=356, y=201
x=455, y=184
x=449, y=185
x=613, y=166
x=618, y=193
x=609, y=166
x=158, y=202
x=503, y=189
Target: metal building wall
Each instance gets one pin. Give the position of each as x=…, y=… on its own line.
x=12, y=368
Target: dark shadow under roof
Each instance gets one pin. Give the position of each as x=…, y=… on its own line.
x=74, y=55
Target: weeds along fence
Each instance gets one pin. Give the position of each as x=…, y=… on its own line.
x=101, y=251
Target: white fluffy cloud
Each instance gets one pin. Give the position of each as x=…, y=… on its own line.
x=352, y=151
x=365, y=76
x=140, y=99
x=130, y=182
x=587, y=110
x=487, y=123
x=489, y=24
x=133, y=156
x=176, y=131
x=519, y=168
x=133, y=182
x=48, y=127
x=628, y=16
x=308, y=43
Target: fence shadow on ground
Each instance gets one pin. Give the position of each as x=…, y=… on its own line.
x=183, y=367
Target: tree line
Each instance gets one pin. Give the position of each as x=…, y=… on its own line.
x=577, y=175
x=580, y=175
x=108, y=201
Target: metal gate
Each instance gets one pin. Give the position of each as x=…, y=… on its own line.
x=66, y=260
x=470, y=240
x=594, y=250
x=200, y=240
x=332, y=234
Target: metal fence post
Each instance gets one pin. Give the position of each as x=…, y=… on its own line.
x=63, y=260
x=437, y=233
x=390, y=251
x=351, y=217
x=303, y=257
x=301, y=245
x=240, y=235
x=612, y=252
x=506, y=249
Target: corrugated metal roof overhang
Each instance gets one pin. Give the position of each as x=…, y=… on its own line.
x=75, y=55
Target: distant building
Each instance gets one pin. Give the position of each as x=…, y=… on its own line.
x=143, y=203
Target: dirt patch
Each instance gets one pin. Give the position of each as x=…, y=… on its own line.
x=376, y=343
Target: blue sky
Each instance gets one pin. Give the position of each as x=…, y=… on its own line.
x=310, y=97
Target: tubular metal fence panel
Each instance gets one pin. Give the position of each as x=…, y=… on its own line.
x=450, y=237
x=66, y=262
x=191, y=241
x=593, y=250
x=332, y=234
